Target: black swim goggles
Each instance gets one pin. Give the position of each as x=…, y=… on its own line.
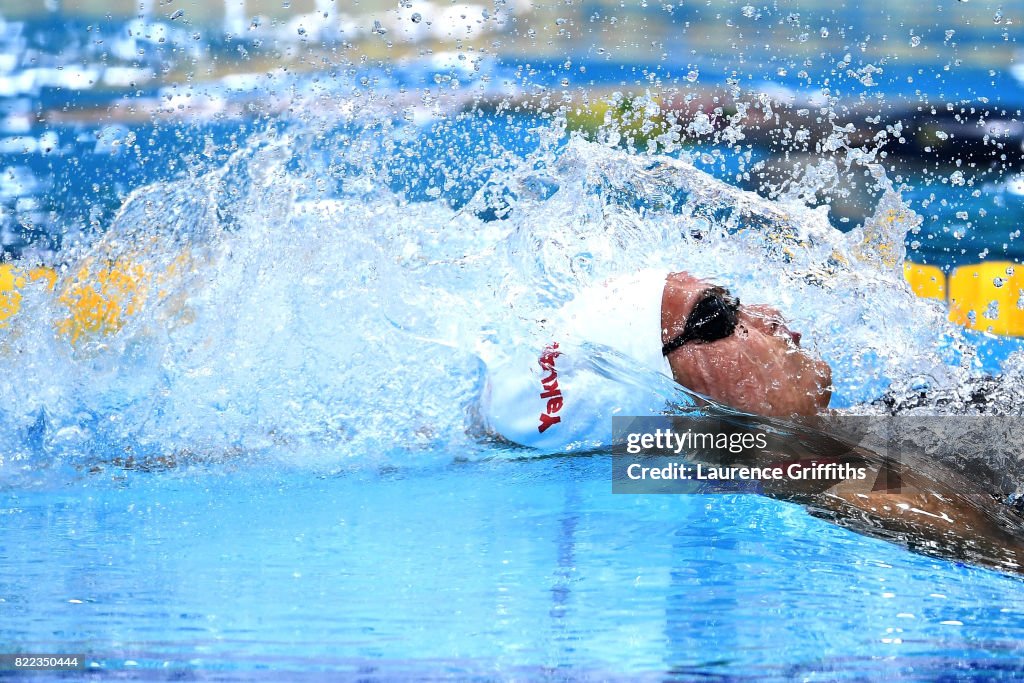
x=713, y=317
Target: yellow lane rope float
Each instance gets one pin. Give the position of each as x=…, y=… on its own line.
x=988, y=297
x=97, y=299
x=13, y=279
x=100, y=296
x=925, y=281
x=985, y=296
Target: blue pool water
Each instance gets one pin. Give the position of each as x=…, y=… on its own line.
x=274, y=480
x=508, y=568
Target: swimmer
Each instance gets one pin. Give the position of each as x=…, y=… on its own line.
x=743, y=358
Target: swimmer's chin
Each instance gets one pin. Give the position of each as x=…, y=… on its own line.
x=798, y=403
x=807, y=395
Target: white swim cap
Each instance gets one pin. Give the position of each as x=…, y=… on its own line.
x=623, y=313
x=552, y=398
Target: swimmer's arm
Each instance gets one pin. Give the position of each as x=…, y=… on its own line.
x=917, y=503
x=938, y=516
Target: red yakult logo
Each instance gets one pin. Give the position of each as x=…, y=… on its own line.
x=551, y=392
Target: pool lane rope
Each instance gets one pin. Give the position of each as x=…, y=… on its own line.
x=101, y=295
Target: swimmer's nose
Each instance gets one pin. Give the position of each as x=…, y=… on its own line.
x=789, y=335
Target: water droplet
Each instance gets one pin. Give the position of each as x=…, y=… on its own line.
x=749, y=11
x=302, y=31
x=693, y=75
x=998, y=282
x=416, y=17
x=998, y=16
x=915, y=41
x=177, y=14
x=824, y=32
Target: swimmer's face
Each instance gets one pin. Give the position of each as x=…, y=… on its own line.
x=760, y=368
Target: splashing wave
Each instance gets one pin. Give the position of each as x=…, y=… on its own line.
x=302, y=307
